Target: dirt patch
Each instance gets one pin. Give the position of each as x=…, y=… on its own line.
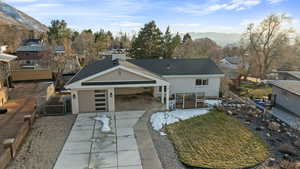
x=44, y=143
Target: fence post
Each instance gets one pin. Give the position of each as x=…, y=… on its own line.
x=9, y=143
x=28, y=118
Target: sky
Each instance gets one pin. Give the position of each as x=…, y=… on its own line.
x=227, y=16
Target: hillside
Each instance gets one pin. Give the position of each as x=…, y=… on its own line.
x=12, y=16
x=221, y=39
x=16, y=26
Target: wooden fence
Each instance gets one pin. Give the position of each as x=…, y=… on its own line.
x=31, y=75
x=13, y=144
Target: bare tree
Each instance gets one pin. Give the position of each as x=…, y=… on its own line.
x=265, y=42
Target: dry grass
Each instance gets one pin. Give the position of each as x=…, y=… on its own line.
x=216, y=140
x=251, y=90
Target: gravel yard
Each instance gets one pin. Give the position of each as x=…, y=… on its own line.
x=44, y=143
x=165, y=150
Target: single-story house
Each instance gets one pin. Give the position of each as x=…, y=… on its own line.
x=94, y=87
x=286, y=94
x=34, y=54
x=289, y=75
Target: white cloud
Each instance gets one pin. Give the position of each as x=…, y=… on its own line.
x=195, y=27
x=212, y=6
x=20, y=1
x=275, y=1
x=130, y=24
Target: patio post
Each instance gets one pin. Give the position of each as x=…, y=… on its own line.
x=168, y=97
x=162, y=95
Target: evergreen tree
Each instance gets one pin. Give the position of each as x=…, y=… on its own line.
x=58, y=32
x=187, y=37
x=168, y=46
x=148, y=43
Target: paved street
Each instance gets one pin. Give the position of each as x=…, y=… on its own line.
x=88, y=147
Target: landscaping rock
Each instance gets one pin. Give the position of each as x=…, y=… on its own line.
x=271, y=162
x=287, y=148
x=297, y=142
x=229, y=112
x=260, y=128
x=273, y=126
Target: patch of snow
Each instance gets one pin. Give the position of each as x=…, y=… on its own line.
x=213, y=102
x=160, y=119
x=105, y=123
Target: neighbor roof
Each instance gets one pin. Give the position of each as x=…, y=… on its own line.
x=295, y=74
x=32, y=48
x=157, y=66
x=6, y=57
x=292, y=86
x=234, y=60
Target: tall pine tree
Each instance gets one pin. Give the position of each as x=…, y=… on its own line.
x=148, y=43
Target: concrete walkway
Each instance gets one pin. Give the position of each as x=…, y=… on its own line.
x=88, y=147
x=149, y=157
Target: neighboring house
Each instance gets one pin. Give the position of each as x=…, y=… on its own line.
x=34, y=54
x=289, y=75
x=5, y=60
x=286, y=99
x=231, y=62
x=230, y=65
x=286, y=93
x=95, y=87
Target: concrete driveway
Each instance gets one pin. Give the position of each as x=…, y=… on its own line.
x=88, y=147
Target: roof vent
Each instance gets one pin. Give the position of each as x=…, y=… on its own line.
x=118, y=57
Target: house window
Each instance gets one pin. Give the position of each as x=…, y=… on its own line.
x=201, y=82
x=165, y=89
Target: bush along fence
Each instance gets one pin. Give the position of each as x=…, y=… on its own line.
x=12, y=145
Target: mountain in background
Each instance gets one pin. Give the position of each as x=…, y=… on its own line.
x=16, y=26
x=12, y=16
x=221, y=39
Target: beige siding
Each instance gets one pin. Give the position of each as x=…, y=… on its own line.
x=86, y=101
x=119, y=75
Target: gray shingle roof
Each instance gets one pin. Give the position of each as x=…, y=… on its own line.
x=32, y=48
x=234, y=60
x=6, y=57
x=178, y=66
x=295, y=74
x=293, y=86
x=157, y=66
x=94, y=68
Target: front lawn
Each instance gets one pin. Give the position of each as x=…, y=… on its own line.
x=215, y=140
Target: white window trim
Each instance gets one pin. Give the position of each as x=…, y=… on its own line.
x=201, y=86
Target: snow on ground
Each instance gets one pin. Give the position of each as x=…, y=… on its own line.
x=105, y=123
x=213, y=102
x=160, y=119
